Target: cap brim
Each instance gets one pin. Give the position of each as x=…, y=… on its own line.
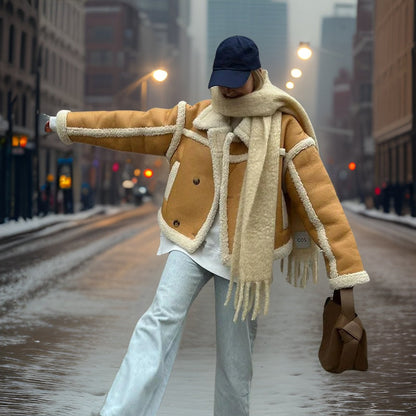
x=228, y=78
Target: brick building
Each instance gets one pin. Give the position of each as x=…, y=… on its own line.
x=394, y=104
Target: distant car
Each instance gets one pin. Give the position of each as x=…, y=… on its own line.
x=141, y=194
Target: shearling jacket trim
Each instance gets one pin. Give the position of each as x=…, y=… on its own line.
x=314, y=219
x=302, y=145
x=61, y=126
x=178, y=129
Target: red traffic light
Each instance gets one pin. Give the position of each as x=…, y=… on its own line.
x=352, y=166
x=116, y=167
x=148, y=173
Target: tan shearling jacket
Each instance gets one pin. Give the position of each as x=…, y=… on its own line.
x=207, y=163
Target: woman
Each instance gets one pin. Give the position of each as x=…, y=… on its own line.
x=246, y=187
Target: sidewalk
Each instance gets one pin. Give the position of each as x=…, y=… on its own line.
x=380, y=215
x=56, y=221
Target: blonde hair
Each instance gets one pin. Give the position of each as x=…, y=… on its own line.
x=258, y=78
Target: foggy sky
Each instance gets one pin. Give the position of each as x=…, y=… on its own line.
x=304, y=20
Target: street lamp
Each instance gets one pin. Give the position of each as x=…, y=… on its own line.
x=290, y=85
x=296, y=73
x=159, y=75
x=304, y=50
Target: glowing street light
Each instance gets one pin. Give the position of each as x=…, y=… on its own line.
x=296, y=73
x=290, y=85
x=304, y=51
x=159, y=75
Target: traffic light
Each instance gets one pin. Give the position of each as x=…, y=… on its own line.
x=352, y=166
x=148, y=173
x=19, y=141
x=65, y=182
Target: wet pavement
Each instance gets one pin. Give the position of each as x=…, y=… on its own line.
x=61, y=346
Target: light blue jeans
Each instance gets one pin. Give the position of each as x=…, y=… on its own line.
x=142, y=378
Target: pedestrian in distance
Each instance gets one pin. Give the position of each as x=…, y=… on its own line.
x=246, y=188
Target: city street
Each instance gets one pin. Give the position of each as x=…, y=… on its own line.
x=69, y=301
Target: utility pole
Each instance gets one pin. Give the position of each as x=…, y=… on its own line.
x=37, y=112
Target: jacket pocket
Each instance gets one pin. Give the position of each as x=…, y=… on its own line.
x=171, y=179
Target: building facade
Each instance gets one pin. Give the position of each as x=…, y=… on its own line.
x=335, y=54
x=126, y=41
x=361, y=108
x=41, y=70
x=61, y=71
x=394, y=104
x=18, y=40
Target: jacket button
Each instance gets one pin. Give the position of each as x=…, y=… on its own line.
x=196, y=181
x=176, y=223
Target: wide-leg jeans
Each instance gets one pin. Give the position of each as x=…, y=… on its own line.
x=141, y=381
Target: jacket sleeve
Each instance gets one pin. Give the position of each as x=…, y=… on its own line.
x=151, y=132
x=313, y=195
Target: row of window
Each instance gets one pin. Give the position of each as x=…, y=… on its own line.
x=17, y=48
x=61, y=73
x=64, y=15
x=394, y=161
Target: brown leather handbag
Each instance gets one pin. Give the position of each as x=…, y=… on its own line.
x=344, y=341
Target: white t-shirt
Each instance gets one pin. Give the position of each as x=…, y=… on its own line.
x=208, y=255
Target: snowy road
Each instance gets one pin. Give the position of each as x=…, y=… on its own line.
x=82, y=290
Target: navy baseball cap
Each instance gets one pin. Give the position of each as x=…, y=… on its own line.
x=235, y=58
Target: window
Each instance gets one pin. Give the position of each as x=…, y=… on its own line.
x=1, y=38
x=11, y=44
x=100, y=58
x=34, y=52
x=99, y=84
x=23, y=50
x=100, y=34
x=46, y=64
x=53, y=74
x=24, y=108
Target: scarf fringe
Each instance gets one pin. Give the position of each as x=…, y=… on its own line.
x=301, y=268
x=249, y=296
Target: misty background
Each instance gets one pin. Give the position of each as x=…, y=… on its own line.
x=101, y=54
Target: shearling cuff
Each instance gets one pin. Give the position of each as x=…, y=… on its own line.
x=348, y=280
x=61, y=126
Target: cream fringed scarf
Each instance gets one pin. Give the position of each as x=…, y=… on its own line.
x=252, y=255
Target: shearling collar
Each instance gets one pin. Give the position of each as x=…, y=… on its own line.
x=210, y=119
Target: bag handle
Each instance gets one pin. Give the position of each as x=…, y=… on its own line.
x=345, y=298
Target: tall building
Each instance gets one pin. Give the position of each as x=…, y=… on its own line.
x=169, y=20
x=112, y=54
x=18, y=39
x=361, y=107
x=394, y=122
x=264, y=21
x=62, y=49
x=126, y=40
x=335, y=54
x=340, y=149
x=41, y=69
